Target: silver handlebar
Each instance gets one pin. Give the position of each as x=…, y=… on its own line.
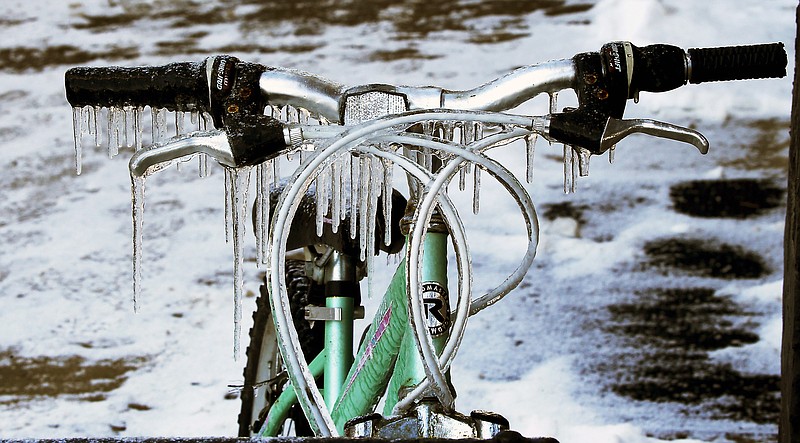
x=324, y=97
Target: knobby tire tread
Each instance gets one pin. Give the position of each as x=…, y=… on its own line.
x=302, y=291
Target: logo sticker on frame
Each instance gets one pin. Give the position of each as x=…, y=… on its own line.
x=437, y=308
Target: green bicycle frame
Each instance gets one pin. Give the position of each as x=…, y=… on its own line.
x=388, y=344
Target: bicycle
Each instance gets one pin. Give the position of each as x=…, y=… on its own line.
x=428, y=132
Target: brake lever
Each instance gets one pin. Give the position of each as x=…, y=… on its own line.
x=246, y=141
x=617, y=129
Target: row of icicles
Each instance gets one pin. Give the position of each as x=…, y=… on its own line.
x=360, y=179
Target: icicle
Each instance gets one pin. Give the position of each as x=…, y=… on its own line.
x=259, y=214
x=322, y=198
x=462, y=177
x=180, y=118
x=447, y=131
x=194, y=118
x=77, y=129
x=375, y=188
x=113, y=131
x=137, y=202
x=336, y=192
x=530, y=145
x=363, y=205
x=345, y=178
x=583, y=161
x=355, y=187
x=476, y=190
x=159, y=116
x=228, y=203
x=276, y=172
x=479, y=130
x=611, y=153
x=91, y=123
x=127, y=120
x=553, y=102
x=240, y=179
x=569, y=170
x=138, y=130
x=202, y=165
x=303, y=115
x=387, y=201
x=264, y=179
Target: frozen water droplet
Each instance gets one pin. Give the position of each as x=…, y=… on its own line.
x=530, y=145
x=77, y=129
x=611, y=153
x=137, y=212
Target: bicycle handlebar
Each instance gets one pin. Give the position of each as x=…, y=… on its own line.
x=236, y=92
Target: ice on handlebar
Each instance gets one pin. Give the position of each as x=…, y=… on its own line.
x=233, y=96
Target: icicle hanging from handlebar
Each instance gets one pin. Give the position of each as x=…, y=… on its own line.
x=387, y=201
x=569, y=175
x=336, y=192
x=228, y=203
x=530, y=145
x=476, y=190
x=553, y=102
x=262, y=206
x=240, y=181
x=137, y=212
x=322, y=198
x=159, y=117
x=583, y=161
x=355, y=188
x=611, y=153
x=363, y=203
x=375, y=189
x=114, y=129
x=137, y=128
x=77, y=129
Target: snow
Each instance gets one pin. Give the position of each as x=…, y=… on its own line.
x=65, y=261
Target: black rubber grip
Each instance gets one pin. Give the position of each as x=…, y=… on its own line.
x=176, y=86
x=737, y=63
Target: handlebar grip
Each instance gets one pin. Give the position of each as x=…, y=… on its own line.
x=737, y=63
x=175, y=86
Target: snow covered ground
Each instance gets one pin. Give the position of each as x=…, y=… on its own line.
x=646, y=316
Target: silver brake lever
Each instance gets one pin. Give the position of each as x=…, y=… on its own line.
x=617, y=129
x=213, y=143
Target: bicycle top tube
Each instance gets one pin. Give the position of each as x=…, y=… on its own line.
x=309, y=91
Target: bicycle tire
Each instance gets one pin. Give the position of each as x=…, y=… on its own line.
x=263, y=359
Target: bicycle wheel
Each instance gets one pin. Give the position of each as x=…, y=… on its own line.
x=264, y=375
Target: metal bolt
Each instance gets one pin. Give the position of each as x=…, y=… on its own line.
x=233, y=108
